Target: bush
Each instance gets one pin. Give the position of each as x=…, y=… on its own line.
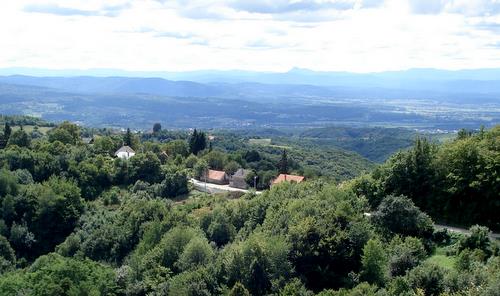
x=429, y=278
x=374, y=261
x=405, y=255
x=398, y=215
x=478, y=239
x=56, y=275
x=197, y=252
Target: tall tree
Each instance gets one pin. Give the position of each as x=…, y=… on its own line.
x=19, y=138
x=156, y=127
x=192, y=141
x=283, y=163
x=127, y=138
x=197, y=142
x=7, y=131
x=6, y=135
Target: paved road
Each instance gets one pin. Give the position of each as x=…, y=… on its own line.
x=463, y=230
x=453, y=229
x=215, y=188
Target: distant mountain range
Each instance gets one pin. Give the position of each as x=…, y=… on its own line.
x=455, y=86
x=294, y=76
x=422, y=98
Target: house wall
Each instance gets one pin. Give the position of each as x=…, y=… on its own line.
x=224, y=181
x=125, y=155
x=237, y=182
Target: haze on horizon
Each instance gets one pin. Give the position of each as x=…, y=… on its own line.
x=257, y=35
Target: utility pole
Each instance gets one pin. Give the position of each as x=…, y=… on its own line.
x=206, y=173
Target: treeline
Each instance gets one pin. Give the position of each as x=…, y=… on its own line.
x=457, y=182
x=374, y=143
x=21, y=120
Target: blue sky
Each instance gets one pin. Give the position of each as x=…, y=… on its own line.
x=263, y=35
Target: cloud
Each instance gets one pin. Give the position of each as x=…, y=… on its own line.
x=372, y=3
x=495, y=45
x=285, y=6
x=354, y=35
x=259, y=44
x=106, y=10
x=59, y=10
x=282, y=10
x=192, y=38
x=176, y=35
x=464, y=7
x=427, y=6
x=114, y=10
x=488, y=26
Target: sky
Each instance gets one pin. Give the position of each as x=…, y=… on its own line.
x=257, y=35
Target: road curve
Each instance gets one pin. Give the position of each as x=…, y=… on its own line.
x=216, y=188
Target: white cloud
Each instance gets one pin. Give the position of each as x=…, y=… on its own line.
x=359, y=35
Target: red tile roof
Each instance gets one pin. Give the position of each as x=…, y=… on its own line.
x=289, y=178
x=216, y=175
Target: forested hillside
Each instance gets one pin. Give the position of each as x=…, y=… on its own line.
x=376, y=144
x=457, y=182
x=76, y=220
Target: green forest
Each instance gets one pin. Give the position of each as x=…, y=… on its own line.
x=76, y=220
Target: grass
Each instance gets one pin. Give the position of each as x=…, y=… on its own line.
x=30, y=128
x=440, y=258
x=264, y=142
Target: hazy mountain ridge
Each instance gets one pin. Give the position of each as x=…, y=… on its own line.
x=305, y=84
x=140, y=101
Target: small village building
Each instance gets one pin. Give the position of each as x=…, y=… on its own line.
x=163, y=157
x=287, y=178
x=88, y=140
x=238, y=179
x=125, y=152
x=216, y=177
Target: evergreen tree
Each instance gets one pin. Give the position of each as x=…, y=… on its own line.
x=19, y=138
x=156, y=127
x=6, y=135
x=283, y=164
x=7, y=131
x=197, y=142
x=127, y=139
x=202, y=141
x=192, y=142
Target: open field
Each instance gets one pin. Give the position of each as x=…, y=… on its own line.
x=259, y=142
x=30, y=128
x=440, y=258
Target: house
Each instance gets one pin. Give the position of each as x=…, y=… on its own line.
x=163, y=156
x=88, y=140
x=238, y=179
x=125, y=152
x=286, y=177
x=216, y=177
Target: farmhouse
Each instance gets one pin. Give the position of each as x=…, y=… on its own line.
x=217, y=177
x=238, y=179
x=125, y=152
x=88, y=140
x=288, y=178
